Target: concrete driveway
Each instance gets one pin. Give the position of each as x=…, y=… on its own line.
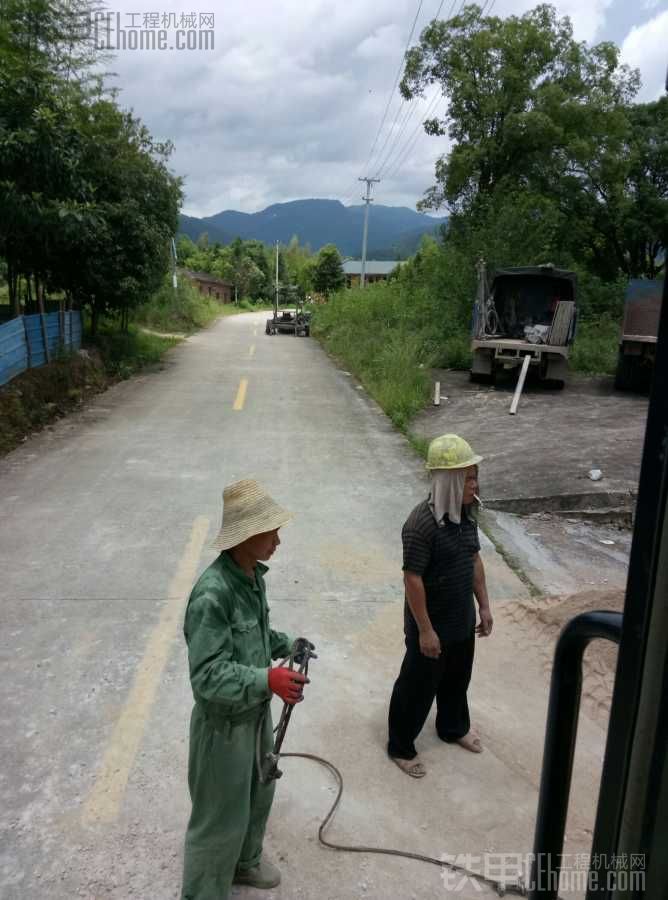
x=106, y=521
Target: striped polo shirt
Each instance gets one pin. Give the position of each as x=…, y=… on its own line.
x=443, y=555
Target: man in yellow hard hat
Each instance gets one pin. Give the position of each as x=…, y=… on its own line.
x=443, y=572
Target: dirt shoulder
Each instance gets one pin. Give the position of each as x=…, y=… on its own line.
x=38, y=397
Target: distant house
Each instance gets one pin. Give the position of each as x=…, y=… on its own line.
x=212, y=286
x=374, y=270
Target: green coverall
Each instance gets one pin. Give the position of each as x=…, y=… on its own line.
x=230, y=648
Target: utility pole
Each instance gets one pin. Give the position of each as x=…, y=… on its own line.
x=276, y=294
x=367, y=200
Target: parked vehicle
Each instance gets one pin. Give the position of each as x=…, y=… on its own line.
x=637, y=344
x=297, y=321
x=524, y=311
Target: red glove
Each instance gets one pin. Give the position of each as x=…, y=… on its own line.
x=287, y=684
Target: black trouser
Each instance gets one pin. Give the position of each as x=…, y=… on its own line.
x=420, y=680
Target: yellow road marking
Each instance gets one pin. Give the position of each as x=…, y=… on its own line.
x=251, y=351
x=255, y=331
x=104, y=801
x=241, y=395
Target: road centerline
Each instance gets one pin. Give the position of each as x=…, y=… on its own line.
x=104, y=800
x=240, y=399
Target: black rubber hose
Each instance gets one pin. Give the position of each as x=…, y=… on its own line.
x=514, y=888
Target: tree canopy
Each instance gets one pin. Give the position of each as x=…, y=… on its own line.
x=328, y=275
x=89, y=205
x=548, y=121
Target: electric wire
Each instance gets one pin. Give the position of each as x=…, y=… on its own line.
x=383, y=166
x=410, y=112
x=412, y=140
x=398, y=149
x=410, y=109
x=394, y=86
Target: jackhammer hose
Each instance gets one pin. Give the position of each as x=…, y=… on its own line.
x=500, y=887
x=517, y=888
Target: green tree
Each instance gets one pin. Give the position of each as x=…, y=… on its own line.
x=88, y=203
x=328, y=275
x=525, y=101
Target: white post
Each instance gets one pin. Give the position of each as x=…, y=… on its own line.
x=520, y=384
x=437, y=393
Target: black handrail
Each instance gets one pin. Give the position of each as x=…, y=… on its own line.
x=560, y=735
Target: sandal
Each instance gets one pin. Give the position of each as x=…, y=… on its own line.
x=470, y=742
x=412, y=767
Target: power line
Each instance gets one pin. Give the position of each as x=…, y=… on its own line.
x=410, y=112
x=396, y=82
x=408, y=146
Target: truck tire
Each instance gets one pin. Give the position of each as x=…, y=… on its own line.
x=626, y=375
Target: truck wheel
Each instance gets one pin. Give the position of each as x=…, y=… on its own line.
x=267, y=329
x=625, y=375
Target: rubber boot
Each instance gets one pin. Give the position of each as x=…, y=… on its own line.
x=264, y=875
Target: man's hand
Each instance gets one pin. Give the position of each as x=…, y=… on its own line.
x=484, y=627
x=430, y=645
x=287, y=684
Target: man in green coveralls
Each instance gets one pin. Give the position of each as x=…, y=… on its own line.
x=230, y=649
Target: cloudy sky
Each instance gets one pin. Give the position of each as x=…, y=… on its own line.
x=289, y=101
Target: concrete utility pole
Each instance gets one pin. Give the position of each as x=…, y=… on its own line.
x=175, y=261
x=276, y=294
x=367, y=200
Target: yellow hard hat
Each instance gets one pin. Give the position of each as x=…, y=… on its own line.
x=449, y=451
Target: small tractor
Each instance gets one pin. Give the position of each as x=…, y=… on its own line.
x=297, y=322
x=525, y=311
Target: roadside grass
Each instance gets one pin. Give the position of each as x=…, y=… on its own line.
x=182, y=310
x=596, y=346
x=125, y=354
x=389, y=340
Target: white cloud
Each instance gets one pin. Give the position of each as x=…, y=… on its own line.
x=289, y=101
x=588, y=17
x=646, y=47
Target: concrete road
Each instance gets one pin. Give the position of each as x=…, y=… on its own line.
x=106, y=521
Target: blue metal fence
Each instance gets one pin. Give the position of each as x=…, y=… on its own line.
x=22, y=341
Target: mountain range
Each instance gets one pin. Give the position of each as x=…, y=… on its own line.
x=394, y=231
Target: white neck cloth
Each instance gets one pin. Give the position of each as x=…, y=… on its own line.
x=447, y=493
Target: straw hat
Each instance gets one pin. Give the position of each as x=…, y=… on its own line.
x=247, y=510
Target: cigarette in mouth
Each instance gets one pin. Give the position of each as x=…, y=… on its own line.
x=478, y=501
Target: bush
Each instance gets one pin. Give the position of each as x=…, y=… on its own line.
x=184, y=310
x=125, y=354
x=596, y=346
